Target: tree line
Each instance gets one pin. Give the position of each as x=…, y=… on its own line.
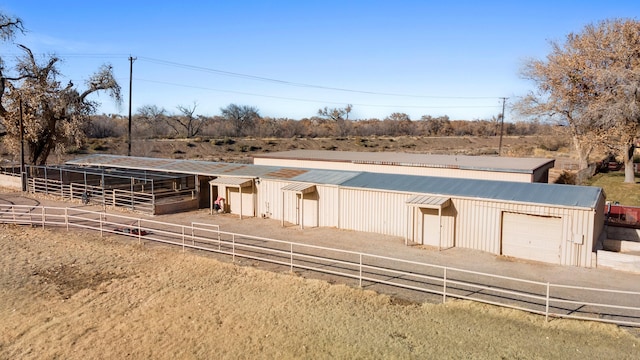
x=243, y=120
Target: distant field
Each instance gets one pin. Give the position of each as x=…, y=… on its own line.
x=616, y=189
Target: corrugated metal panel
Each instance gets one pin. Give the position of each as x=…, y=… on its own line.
x=328, y=177
x=270, y=203
x=300, y=188
x=216, y=169
x=427, y=201
x=400, y=169
x=373, y=211
x=329, y=210
x=231, y=181
x=536, y=193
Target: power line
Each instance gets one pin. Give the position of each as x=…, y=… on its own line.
x=315, y=101
x=284, y=82
x=272, y=80
x=288, y=83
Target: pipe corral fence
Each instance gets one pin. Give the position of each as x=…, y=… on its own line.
x=360, y=269
x=142, y=191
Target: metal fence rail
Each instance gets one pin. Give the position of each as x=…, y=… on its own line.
x=550, y=300
x=133, y=200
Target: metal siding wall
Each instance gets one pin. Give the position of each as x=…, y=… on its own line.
x=329, y=209
x=373, y=211
x=467, y=223
x=476, y=225
x=598, y=219
x=270, y=198
x=479, y=226
x=448, y=226
x=290, y=207
x=270, y=203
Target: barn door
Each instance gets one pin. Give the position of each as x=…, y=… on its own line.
x=532, y=237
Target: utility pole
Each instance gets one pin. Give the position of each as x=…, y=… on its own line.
x=504, y=100
x=131, y=59
x=23, y=171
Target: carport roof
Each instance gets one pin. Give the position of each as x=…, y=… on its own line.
x=231, y=181
x=210, y=168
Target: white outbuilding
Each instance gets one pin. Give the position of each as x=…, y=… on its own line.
x=559, y=224
x=452, y=166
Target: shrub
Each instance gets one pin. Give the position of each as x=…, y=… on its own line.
x=566, y=177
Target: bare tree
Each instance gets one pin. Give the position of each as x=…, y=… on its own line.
x=186, y=123
x=103, y=126
x=399, y=124
x=154, y=119
x=8, y=28
x=591, y=83
x=337, y=115
x=436, y=126
x=242, y=117
x=54, y=116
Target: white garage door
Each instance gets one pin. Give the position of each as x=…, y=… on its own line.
x=532, y=237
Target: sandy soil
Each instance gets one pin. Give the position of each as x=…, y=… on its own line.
x=75, y=295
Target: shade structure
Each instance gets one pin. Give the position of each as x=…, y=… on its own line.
x=301, y=189
x=228, y=181
x=429, y=202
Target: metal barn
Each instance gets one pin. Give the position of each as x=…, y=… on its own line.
x=452, y=166
x=559, y=224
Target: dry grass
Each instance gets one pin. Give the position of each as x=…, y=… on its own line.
x=79, y=296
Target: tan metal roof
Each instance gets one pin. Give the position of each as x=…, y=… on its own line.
x=428, y=201
x=231, y=181
x=300, y=188
x=487, y=163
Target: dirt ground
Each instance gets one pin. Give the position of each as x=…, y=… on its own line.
x=76, y=295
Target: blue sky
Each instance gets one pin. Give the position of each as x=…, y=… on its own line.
x=291, y=58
